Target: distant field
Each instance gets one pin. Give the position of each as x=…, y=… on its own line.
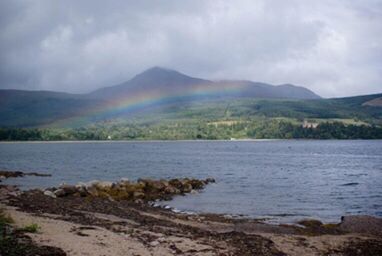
x=341, y=120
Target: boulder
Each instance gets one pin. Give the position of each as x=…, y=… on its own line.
x=49, y=193
x=82, y=191
x=60, y=192
x=185, y=181
x=14, y=193
x=81, y=188
x=68, y=189
x=104, y=184
x=187, y=188
x=171, y=190
x=165, y=183
x=92, y=183
x=154, y=243
x=210, y=180
x=197, y=184
x=175, y=183
x=92, y=191
x=134, y=187
x=153, y=185
x=81, y=185
x=138, y=195
x=159, y=185
x=124, y=180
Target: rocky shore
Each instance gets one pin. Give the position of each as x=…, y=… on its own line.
x=116, y=218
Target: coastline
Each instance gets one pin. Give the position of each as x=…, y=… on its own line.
x=171, y=141
x=139, y=141
x=103, y=226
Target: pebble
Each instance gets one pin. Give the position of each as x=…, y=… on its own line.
x=154, y=243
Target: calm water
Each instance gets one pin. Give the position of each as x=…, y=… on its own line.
x=280, y=180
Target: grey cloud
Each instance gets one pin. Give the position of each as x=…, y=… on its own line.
x=331, y=47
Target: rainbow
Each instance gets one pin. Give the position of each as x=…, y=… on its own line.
x=141, y=100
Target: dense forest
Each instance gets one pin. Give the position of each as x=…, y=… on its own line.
x=208, y=130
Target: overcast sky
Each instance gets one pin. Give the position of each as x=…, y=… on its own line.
x=331, y=47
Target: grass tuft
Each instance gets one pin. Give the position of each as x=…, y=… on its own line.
x=5, y=218
x=32, y=228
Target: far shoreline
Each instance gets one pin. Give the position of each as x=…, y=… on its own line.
x=138, y=141
x=172, y=141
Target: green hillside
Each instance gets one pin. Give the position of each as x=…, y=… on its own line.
x=159, y=96
x=342, y=118
x=341, y=108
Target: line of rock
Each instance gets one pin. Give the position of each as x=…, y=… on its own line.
x=15, y=174
x=140, y=191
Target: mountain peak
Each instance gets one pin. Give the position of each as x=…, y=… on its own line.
x=163, y=76
x=159, y=72
x=159, y=69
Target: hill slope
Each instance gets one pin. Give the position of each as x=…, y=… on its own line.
x=34, y=108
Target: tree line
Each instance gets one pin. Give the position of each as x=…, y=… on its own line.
x=256, y=129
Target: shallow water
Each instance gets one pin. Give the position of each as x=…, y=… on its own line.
x=280, y=180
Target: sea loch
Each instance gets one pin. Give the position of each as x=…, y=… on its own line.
x=282, y=181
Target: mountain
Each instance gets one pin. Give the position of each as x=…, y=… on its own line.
x=167, y=82
x=158, y=93
x=153, y=79
x=249, y=89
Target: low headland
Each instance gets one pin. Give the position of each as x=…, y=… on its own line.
x=122, y=218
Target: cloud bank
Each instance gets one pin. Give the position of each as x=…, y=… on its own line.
x=332, y=47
